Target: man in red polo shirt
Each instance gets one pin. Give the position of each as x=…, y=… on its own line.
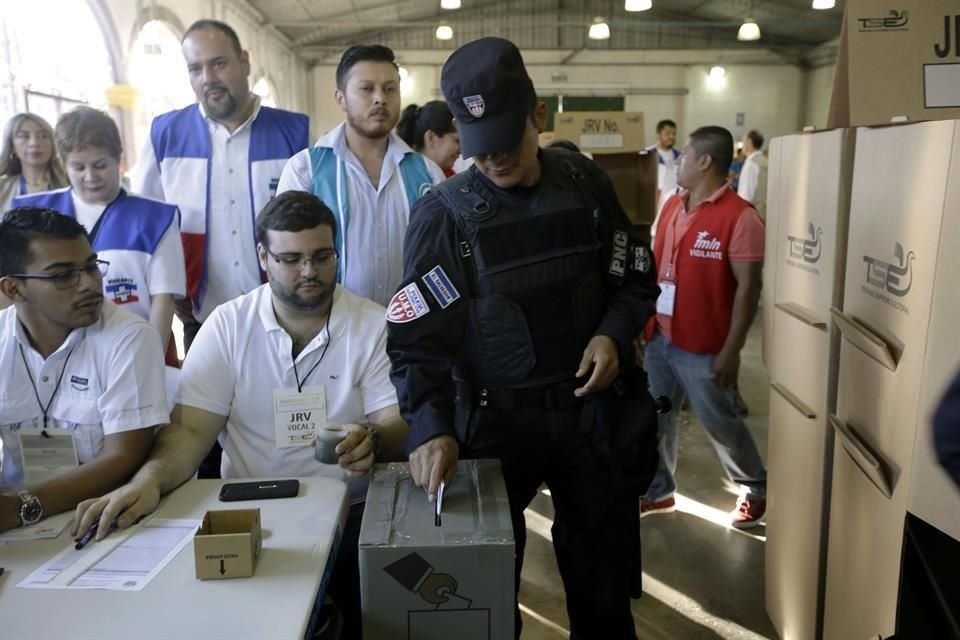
x=709, y=254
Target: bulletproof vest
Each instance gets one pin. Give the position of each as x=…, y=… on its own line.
x=537, y=281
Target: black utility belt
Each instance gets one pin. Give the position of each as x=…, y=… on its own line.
x=556, y=396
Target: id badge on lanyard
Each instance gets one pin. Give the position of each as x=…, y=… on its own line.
x=668, y=295
x=298, y=415
x=46, y=454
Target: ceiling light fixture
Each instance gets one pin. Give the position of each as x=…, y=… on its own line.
x=749, y=30
x=599, y=30
x=717, y=78
x=638, y=5
x=449, y=4
x=824, y=4
x=444, y=32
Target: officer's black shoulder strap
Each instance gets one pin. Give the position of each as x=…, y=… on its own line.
x=464, y=197
x=463, y=202
x=572, y=166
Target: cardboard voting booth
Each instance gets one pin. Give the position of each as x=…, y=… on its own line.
x=420, y=581
x=634, y=177
x=804, y=270
x=897, y=58
x=898, y=350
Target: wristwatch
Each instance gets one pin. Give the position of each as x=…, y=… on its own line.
x=375, y=436
x=31, y=511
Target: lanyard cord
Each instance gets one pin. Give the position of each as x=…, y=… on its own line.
x=326, y=327
x=36, y=393
x=672, y=263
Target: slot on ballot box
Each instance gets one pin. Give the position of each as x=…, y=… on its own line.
x=227, y=544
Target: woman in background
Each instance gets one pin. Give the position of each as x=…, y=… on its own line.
x=431, y=131
x=27, y=161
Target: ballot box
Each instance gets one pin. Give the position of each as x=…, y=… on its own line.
x=429, y=578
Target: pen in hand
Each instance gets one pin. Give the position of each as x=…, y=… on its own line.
x=91, y=532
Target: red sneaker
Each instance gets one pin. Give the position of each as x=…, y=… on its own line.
x=648, y=508
x=748, y=513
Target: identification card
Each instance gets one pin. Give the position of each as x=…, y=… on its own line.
x=44, y=457
x=298, y=416
x=668, y=294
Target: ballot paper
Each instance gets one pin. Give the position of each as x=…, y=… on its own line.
x=123, y=561
x=44, y=530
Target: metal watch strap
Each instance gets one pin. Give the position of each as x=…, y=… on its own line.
x=29, y=502
x=375, y=435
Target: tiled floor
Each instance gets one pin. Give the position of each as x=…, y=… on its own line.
x=702, y=580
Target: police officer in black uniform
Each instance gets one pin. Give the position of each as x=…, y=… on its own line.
x=512, y=335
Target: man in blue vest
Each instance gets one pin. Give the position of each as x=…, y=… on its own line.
x=365, y=173
x=219, y=161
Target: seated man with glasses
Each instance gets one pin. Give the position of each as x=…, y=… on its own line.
x=83, y=381
x=299, y=344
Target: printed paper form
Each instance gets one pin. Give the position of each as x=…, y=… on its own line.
x=44, y=530
x=128, y=564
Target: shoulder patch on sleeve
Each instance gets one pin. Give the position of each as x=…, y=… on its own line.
x=641, y=259
x=441, y=287
x=407, y=304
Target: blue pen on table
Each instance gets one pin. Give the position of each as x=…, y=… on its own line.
x=92, y=531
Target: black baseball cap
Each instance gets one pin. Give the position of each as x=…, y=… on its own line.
x=489, y=92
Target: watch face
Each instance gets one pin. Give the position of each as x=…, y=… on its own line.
x=31, y=511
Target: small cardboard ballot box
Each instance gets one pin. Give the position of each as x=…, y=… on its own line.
x=419, y=581
x=227, y=544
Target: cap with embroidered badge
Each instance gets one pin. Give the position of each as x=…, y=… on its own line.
x=486, y=86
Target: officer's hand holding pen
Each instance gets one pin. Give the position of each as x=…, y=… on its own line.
x=433, y=461
x=601, y=353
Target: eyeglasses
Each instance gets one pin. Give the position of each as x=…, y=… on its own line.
x=68, y=278
x=323, y=259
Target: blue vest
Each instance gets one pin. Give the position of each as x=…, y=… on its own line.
x=129, y=223
x=127, y=235
x=181, y=142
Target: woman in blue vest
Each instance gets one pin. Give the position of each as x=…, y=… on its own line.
x=139, y=237
x=27, y=161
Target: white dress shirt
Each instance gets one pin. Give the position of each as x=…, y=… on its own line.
x=378, y=215
x=749, y=177
x=232, y=268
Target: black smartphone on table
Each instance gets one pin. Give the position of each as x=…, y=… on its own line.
x=263, y=490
